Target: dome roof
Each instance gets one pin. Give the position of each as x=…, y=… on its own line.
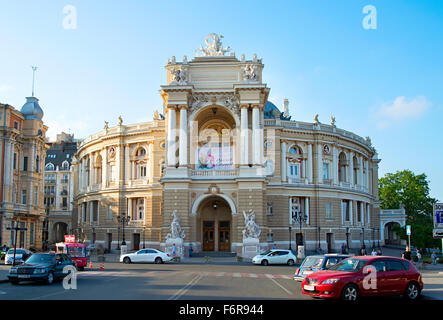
x=271, y=110
x=31, y=110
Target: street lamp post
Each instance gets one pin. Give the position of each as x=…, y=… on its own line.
x=123, y=219
x=144, y=231
x=301, y=217
x=290, y=231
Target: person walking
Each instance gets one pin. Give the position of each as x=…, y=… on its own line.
x=374, y=252
x=419, y=259
x=407, y=254
x=434, y=258
x=174, y=250
x=343, y=248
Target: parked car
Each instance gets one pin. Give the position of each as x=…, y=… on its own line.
x=20, y=256
x=45, y=267
x=351, y=279
x=316, y=263
x=146, y=256
x=275, y=256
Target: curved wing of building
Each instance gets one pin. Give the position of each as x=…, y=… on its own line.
x=222, y=150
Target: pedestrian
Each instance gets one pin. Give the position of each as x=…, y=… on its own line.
x=374, y=252
x=419, y=261
x=407, y=254
x=190, y=250
x=362, y=250
x=174, y=250
x=434, y=257
x=343, y=248
x=379, y=253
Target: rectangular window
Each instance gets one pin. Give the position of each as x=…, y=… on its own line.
x=294, y=171
x=109, y=212
x=346, y=210
x=24, y=196
x=25, y=163
x=140, y=209
x=269, y=209
x=64, y=202
x=94, y=211
x=16, y=125
x=325, y=171
x=35, y=196
x=14, y=165
x=328, y=211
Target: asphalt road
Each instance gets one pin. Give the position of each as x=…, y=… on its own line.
x=173, y=281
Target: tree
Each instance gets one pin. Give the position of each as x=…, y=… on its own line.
x=404, y=187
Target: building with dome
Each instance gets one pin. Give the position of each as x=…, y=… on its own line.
x=222, y=153
x=22, y=156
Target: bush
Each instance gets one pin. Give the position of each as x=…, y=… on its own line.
x=239, y=258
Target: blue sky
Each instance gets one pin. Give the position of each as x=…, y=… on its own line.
x=386, y=83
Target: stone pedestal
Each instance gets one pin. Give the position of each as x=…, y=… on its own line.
x=251, y=248
x=179, y=251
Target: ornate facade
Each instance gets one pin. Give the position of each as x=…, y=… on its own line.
x=222, y=149
x=22, y=155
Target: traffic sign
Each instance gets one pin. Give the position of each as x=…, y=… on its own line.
x=438, y=220
x=408, y=230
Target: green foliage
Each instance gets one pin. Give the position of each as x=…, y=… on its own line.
x=404, y=187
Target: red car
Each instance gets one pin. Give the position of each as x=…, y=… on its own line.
x=357, y=277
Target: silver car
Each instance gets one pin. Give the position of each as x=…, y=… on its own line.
x=20, y=256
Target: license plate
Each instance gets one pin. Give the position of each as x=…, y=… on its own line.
x=309, y=288
x=24, y=276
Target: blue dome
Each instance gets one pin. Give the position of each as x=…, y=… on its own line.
x=270, y=110
x=31, y=109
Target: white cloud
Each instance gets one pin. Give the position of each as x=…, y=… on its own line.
x=401, y=109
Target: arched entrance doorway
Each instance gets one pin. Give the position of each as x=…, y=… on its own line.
x=390, y=235
x=59, y=230
x=214, y=219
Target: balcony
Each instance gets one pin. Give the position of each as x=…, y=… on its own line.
x=209, y=174
x=296, y=181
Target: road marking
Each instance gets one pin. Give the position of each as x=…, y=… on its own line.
x=270, y=276
x=253, y=275
x=278, y=284
x=236, y=275
x=220, y=274
x=185, y=289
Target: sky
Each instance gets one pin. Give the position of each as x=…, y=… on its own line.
x=378, y=71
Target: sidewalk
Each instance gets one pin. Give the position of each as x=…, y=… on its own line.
x=4, y=271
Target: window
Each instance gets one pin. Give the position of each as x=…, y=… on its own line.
x=379, y=265
x=270, y=237
x=269, y=209
x=84, y=212
x=140, y=209
x=294, y=170
x=65, y=166
x=94, y=211
x=49, y=167
x=142, y=171
x=25, y=163
x=37, y=164
x=35, y=196
x=14, y=164
x=346, y=210
x=325, y=171
x=16, y=125
x=358, y=211
x=32, y=233
x=394, y=265
x=328, y=211
x=113, y=173
x=24, y=196
x=109, y=212
x=64, y=202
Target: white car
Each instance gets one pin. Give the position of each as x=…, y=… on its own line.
x=19, y=255
x=275, y=256
x=146, y=255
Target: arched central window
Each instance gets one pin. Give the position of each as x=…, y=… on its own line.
x=215, y=148
x=295, y=158
x=140, y=163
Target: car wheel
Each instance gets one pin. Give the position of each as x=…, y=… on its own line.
x=126, y=260
x=412, y=291
x=290, y=262
x=265, y=262
x=350, y=293
x=14, y=282
x=50, y=278
x=158, y=260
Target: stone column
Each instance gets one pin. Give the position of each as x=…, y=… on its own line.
x=244, y=135
x=307, y=209
x=367, y=174
x=360, y=172
x=284, y=164
x=104, y=168
x=171, y=160
x=319, y=163
x=127, y=165
x=151, y=162
x=310, y=163
x=351, y=168
x=183, y=161
x=130, y=208
x=334, y=165
x=351, y=211
x=256, y=134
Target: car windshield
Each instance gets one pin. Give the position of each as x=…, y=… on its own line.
x=41, y=258
x=312, y=262
x=76, y=251
x=349, y=265
x=11, y=251
x=266, y=252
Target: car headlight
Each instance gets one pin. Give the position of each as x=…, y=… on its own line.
x=39, y=270
x=330, y=281
x=13, y=270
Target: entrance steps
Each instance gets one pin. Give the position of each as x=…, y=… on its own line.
x=214, y=254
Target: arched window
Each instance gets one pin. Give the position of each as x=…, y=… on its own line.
x=295, y=158
x=49, y=167
x=98, y=169
x=65, y=166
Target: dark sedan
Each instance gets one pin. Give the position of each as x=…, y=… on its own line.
x=44, y=267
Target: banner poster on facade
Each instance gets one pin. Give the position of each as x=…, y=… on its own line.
x=438, y=220
x=214, y=157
